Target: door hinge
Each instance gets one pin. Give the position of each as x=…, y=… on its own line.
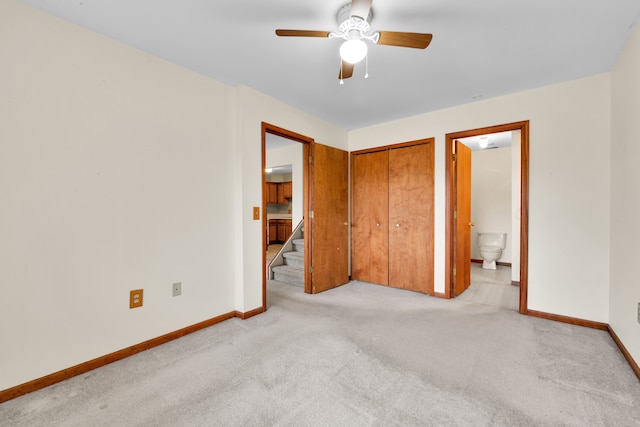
x=310, y=159
x=454, y=271
x=454, y=157
x=455, y=214
x=310, y=214
x=310, y=269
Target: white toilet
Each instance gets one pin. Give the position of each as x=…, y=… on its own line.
x=491, y=246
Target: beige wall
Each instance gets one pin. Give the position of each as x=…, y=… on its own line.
x=117, y=171
x=108, y=185
x=114, y=164
x=569, y=185
x=625, y=204
x=252, y=109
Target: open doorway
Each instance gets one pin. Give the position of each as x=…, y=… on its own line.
x=284, y=182
x=495, y=219
x=325, y=193
x=284, y=195
x=461, y=237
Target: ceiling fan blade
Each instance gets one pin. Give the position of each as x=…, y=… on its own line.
x=346, y=70
x=414, y=40
x=302, y=33
x=360, y=8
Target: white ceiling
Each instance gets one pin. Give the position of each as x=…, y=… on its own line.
x=480, y=49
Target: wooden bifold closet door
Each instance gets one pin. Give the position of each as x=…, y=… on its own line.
x=392, y=217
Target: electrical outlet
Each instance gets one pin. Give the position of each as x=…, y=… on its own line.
x=256, y=213
x=135, y=298
x=177, y=288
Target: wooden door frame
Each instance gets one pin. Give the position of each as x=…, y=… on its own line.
x=307, y=197
x=523, y=127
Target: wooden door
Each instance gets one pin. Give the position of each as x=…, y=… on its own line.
x=370, y=217
x=329, y=222
x=462, y=214
x=411, y=218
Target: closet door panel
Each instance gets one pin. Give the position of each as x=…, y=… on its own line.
x=411, y=218
x=370, y=218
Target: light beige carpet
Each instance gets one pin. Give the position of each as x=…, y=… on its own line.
x=359, y=355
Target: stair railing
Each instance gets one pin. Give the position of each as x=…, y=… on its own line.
x=297, y=233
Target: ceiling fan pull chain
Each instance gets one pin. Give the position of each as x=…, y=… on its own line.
x=341, y=79
x=366, y=67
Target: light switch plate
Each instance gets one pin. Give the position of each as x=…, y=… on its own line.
x=256, y=213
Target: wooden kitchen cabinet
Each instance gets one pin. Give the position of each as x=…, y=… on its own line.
x=279, y=193
x=287, y=190
x=287, y=229
x=279, y=230
x=272, y=193
x=273, y=231
x=281, y=200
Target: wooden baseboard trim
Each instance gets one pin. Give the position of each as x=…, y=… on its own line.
x=248, y=314
x=566, y=319
x=440, y=295
x=625, y=353
x=56, y=377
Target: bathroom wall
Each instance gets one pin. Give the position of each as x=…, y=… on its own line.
x=491, y=197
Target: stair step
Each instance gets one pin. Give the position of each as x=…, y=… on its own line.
x=298, y=245
x=289, y=274
x=294, y=258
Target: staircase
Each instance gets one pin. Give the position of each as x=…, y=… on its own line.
x=288, y=265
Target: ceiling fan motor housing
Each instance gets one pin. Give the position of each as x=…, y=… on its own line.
x=348, y=25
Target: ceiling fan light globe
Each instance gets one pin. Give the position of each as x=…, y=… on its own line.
x=353, y=51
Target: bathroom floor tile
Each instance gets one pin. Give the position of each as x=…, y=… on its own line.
x=492, y=287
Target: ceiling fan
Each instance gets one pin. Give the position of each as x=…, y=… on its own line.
x=354, y=27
